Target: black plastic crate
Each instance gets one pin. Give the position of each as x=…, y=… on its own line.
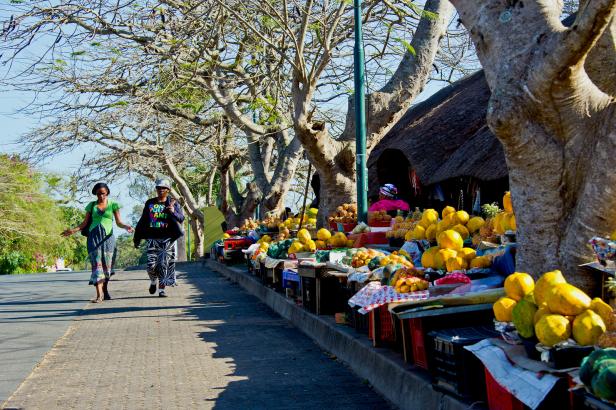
x=454, y=368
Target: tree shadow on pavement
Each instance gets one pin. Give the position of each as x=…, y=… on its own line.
x=278, y=367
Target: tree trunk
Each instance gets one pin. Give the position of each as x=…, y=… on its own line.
x=334, y=159
x=196, y=236
x=557, y=126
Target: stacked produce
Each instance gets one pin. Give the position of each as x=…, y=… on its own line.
x=408, y=279
x=552, y=309
x=249, y=224
x=345, y=213
x=397, y=258
x=363, y=257
x=279, y=250
x=283, y=233
x=451, y=255
x=378, y=217
x=505, y=221
x=271, y=222
x=400, y=228
x=598, y=373
x=303, y=243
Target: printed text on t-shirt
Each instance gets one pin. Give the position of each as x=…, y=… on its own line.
x=158, y=216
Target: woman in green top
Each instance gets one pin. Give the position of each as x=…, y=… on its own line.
x=101, y=242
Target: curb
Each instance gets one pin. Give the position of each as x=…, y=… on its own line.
x=402, y=384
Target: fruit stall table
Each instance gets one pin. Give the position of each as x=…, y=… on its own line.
x=271, y=271
x=439, y=312
x=322, y=288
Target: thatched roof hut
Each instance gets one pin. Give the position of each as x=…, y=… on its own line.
x=442, y=138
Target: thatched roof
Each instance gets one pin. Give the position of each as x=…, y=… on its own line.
x=446, y=136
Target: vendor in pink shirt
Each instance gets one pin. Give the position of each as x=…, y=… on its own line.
x=387, y=200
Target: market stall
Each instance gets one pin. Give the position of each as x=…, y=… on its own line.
x=441, y=288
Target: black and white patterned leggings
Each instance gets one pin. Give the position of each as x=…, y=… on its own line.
x=161, y=261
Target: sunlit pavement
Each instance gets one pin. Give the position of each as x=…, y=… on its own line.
x=35, y=310
x=208, y=345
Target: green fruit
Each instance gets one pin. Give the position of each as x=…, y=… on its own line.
x=591, y=363
x=523, y=315
x=604, y=382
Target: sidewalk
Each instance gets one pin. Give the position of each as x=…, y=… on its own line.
x=208, y=345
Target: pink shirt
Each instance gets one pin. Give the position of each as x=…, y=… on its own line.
x=389, y=205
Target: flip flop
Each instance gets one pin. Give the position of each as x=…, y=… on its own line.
x=97, y=300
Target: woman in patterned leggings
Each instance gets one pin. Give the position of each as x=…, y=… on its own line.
x=160, y=225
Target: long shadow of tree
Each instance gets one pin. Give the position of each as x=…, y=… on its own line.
x=279, y=367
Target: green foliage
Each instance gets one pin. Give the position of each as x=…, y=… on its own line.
x=127, y=255
x=490, y=210
x=33, y=220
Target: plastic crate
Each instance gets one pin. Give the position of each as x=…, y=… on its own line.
x=418, y=342
x=236, y=244
x=384, y=322
x=454, y=368
x=498, y=397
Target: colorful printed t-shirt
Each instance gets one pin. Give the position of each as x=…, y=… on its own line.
x=159, y=218
x=104, y=218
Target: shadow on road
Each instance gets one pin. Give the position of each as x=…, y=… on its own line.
x=279, y=367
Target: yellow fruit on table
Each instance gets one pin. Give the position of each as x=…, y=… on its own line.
x=602, y=309
x=447, y=210
x=518, y=285
x=467, y=253
x=462, y=217
x=303, y=236
x=311, y=246
x=566, y=299
x=442, y=256
x=455, y=263
x=264, y=246
x=461, y=229
x=320, y=244
x=450, y=239
x=503, y=309
x=543, y=310
x=507, y=206
x=508, y=222
x=587, y=328
x=408, y=236
x=296, y=246
x=497, y=222
x=418, y=233
x=350, y=243
x=431, y=233
x=323, y=234
x=481, y=262
x=552, y=329
x=424, y=224
x=475, y=223
x=427, y=258
x=546, y=283
x=430, y=216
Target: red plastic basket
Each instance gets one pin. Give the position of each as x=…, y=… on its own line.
x=498, y=397
x=385, y=331
x=418, y=343
x=380, y=224
x=233, y=244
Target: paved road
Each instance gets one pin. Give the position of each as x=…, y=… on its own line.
x=35, y=310
x=208, y=345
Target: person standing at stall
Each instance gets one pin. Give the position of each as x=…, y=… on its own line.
x=160, y=226
x=388, y=200
x=98, y=225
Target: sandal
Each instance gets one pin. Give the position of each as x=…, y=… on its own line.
x=96, y=300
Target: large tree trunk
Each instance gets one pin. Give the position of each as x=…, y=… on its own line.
x=334, y=159
x=557, y=126
x=196, y=236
